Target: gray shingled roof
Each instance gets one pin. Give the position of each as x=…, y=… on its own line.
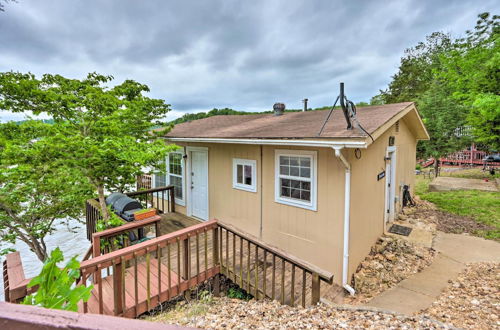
x=289, y=125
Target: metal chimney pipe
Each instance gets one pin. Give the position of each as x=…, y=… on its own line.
x=278, y=108
x=344, y=107
x=305, y=104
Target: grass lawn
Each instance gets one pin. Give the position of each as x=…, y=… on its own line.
x=473, y=173
x=483, y=207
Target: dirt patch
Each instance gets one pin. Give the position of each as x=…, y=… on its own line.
x=390, y=261
x=426, y=212
x=472, y=300
x=225, y=313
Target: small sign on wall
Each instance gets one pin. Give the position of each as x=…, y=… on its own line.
x=381, y=175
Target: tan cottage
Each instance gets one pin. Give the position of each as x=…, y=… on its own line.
x=324, y=196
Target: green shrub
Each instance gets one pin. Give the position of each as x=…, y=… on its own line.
x=237, y=293
x=56, y=286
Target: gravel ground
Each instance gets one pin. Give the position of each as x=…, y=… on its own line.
x=391, y=260
x=472, y=300
x=225, y=313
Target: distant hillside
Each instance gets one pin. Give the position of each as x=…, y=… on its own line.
x=227, y=111
x=46, y=121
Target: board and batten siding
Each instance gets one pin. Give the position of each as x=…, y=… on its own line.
x=314, y=236
x=368, y=195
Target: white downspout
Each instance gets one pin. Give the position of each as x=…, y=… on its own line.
x=347, y=217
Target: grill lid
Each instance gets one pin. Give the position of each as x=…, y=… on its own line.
x=125, y=204
x=111, y=199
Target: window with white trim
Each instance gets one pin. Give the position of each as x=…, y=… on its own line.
x=245, y=174
x=174, y=168
x=175, y=174
x=296, y=181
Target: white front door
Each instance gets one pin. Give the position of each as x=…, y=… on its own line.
x=390, y=190
x=199, y=183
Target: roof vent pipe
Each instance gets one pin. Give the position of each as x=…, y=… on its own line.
x=278, y=108
x=305, y=104
x=343, y=99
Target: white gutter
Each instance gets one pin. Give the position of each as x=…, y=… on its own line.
x=287, y=142
x=347, y=217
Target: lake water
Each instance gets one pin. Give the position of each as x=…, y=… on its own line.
x=71, y=239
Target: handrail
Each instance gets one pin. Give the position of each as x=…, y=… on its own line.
x=154, y=271
x=107, y=259
x=15, y=283
x=161, y=198
x=245, y=260
x=148, y=272
x=148, y=191
x=106, y=235
x=323, y=274
x=126, y=227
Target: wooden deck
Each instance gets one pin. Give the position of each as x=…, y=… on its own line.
x=136, y=278
x=173, y=221
x=151, y=289
x=240, y=260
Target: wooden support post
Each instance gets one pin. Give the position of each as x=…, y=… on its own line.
x=172, y=200
x=315, y=290
x=117, y=288
x=96, y=251
x=187, y=266
x=215, y=251
x=157, y=228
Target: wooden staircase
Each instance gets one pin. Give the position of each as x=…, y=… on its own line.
x=132, y=280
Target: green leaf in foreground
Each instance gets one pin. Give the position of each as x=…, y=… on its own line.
x=56, y=286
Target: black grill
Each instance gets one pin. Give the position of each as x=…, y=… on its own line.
x=123, y=205
x=111, y=199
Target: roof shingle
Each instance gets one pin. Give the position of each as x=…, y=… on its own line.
x=289, y=125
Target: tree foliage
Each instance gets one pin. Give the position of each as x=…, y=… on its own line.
x=442, y=115
x=36, y=187
x=415, y=74
x=472, y=70
x=455, y=83
x=101, y=132
x=56, y=288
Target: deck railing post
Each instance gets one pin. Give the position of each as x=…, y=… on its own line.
x=117, y=287
x=215, y=252
x=172, y=200
x=315, y=289
x=187, y=265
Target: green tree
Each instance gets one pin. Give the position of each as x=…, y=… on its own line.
x=442, y=115
x=36, y=188
x=415, y=74
x=471, y=69
x=103, y=133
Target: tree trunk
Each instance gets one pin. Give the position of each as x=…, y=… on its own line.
x=436, y=167
x=36, y=247
x=102, y=203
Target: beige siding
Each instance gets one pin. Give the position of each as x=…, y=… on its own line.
x=368, y=194
x=315, y=236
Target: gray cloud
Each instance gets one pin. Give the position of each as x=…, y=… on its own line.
x=246, y=55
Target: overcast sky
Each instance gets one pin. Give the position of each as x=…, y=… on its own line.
x=245, y=55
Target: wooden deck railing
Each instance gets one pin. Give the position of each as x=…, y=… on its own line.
x=144, y=182
x=15, y=284
x=144, y=275
x=254, y=265
x=113, y=239
x=161, y=198
x=151, y=272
